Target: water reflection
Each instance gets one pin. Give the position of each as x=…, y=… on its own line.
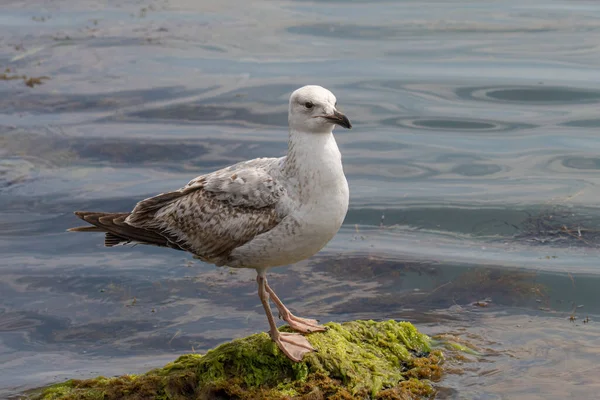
x=535, y=95
x=106, y=314
x=476, y=169
x=449, y=124
x=583, y=123
x=212, y=114
x=584, y=163
x=472, y=166
x=97, y=102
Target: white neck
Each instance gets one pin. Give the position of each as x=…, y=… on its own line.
x=314, y=160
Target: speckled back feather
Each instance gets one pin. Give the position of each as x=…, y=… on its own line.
x=209, y=217
x=215, y=213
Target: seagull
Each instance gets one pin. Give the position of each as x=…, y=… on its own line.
x=261, y=213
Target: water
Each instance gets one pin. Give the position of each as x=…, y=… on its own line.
x=473, y=167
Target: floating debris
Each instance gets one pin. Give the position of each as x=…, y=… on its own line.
x=27, y=53
x=483, y=303
x=29, y=81
x=559, y=224
x=32, y=81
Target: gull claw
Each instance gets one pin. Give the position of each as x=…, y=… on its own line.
x=293, y=345
x=303, y=325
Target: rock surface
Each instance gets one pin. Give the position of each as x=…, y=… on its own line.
x=358, y=359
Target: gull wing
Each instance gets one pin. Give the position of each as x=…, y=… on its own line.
x=217, y=212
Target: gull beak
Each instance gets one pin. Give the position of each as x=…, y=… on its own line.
x=339, y=119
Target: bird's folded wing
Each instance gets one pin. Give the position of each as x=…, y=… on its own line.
x=215, y=213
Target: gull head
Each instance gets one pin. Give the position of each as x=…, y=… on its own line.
x=313, y=110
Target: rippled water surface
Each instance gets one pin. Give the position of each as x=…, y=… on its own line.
x=473, y=167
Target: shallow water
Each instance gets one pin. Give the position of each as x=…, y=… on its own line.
x=473, y=167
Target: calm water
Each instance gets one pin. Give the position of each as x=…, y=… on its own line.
x=473, y=166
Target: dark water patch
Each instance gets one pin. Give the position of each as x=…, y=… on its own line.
x=476, y=221
x=199, y=113
x=372, y=268
x=132, y=152
x=455, y=124
x=213, y=48
x=267, y=94
x=37, y=149
x=60, y=150
x=15, y=171
x=35, y=331
x=383, y=85
x=346, y=1
x=582, y=163
x=20, y=321
x=398, y=174
x=583, y=123
x=545, y=224
x=29, y=330
x=530, y=94
x=250, y=150
x=476, y=169
x=457, y=158
x=122, y=313
x=98, y=333
x=173, y=342
x=345, y=31
x=142, y=294
x=61, y=102
x=410, y=28
x=374, y=145
x=117, y=288
x=14, y=207
x=15, y=225
x=115, y=42
x=388, y=170
x=425, y=286
x=558, y=225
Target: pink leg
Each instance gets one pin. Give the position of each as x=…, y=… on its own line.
x=293, y=345
x=303, y=325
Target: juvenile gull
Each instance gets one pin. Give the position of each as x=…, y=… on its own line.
x=261, y=213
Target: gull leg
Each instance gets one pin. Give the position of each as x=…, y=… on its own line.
x=303, y=325
x=293, y=345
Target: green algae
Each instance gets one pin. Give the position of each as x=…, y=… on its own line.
x=460, y=347
x=359, y=359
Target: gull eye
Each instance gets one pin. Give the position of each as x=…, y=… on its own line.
x=308, y=104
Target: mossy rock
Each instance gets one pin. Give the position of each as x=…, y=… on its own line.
x=359, y=359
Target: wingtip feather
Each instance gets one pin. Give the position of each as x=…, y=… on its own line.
x=85, y=229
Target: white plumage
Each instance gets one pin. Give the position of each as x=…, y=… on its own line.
x=257, y=214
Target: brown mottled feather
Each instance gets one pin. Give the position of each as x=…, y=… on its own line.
x=111, y=240
x=209, y=217
x=215, y=213
x=118, y=232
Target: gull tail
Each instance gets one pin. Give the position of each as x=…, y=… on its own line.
x=117, y=231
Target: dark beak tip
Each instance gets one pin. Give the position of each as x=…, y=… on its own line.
x=346, y=123
x=340, y=119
